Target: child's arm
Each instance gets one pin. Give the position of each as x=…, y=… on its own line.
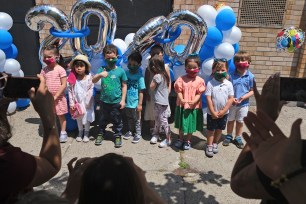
x=210, y=106
x=62, y=87
x=226, y=107
x=153, y=85
x=124, y=88
x=70, y=96
x=181, y=98
x=168, y=72
x=98, y=76
x=89, y=95
x=195, y=100
x=140, y=99
x=246, y=96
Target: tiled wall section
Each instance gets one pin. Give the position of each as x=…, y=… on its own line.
x=260, y=42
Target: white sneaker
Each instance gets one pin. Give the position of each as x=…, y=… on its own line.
x=154, y=139
x=85, y=139
x=165, y=143
x=63, y=137
x=78, y=139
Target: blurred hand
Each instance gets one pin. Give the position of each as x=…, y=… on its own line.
x=139, y=108
x=122, y=104
x=104, y=74
x=268, y=143
x=269, y=99
x=43, y=101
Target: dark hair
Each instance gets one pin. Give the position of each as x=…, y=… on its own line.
x=219, y=62
x=82, y=64
x=5, y=128
x=242, y=55
x=156, y=49
x=111, y=179
x=110, y=49
x=135, y=56
x=157, y=64
x=53, y=47
x=194, y=58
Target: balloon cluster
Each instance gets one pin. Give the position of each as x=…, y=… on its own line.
x=8, y=53
x=290, y=39
x=222, y=40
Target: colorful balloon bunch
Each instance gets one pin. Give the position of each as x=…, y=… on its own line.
x=222, y=40
x=8, y=53
x=290, y=39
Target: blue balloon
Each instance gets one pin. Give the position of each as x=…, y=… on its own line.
x=225, y=20
x=214, y=37
x=6, y=39
x=11, y=52
x=23, y=102
x=236, y=47
x=284, y=42
x=70, y=123
x=172, y=75
x=179, y=48
x=206, y=52
x=166, y=59
x=204, y=102
x=231, y=65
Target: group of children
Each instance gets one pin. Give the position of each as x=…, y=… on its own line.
x=123, y=92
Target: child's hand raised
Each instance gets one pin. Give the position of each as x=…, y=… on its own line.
x=104, y=74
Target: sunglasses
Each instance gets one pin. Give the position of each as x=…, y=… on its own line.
x=220, y=60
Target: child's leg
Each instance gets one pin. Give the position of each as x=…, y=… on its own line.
x=129, y=115
x=210, y=137
x=104, y=117
x=137, y=127
x=86, y=132
x=80, y=127
x=187, y=144
x=241, y=113
x=239, y=127
x=63, y=122
x=230, y=126
x=217, y=136
x=116, y=119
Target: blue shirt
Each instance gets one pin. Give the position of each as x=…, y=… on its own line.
x=242, y=85
x=135, y=83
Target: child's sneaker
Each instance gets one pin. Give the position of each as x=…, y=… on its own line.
x=179, y=144
x=63, y=137
x=164, y=143
x=78, y=139
x=118, y=141
x=238, y=142
x=85, y=139
x=99, y=139
x=186, y=145
x=228, y=139
x=209, y=151
x=215, y=148
x=127, y=135
x=136, y=139
x=154, y=139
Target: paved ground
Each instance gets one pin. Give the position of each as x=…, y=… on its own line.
x=203, y=181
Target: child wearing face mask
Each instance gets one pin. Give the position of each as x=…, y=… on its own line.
x=113, y=94
x=242, y=80
x=56, y=81
x=134, y=97
x=219, y=96
x=188, y=112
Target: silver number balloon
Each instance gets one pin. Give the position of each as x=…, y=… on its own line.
x=36, y=18
x=198, y=31
x=143, y=38
x=80, y=13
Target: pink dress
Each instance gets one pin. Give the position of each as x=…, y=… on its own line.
x=53, y=81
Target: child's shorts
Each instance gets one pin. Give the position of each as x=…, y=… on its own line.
x=238, y=113
x=216, y=124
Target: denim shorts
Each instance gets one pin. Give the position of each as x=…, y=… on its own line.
x=216, y=124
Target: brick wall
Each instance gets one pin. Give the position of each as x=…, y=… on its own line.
x=260, y=42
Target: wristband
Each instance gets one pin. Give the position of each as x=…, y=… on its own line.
x=266, y=182
x=279, y=182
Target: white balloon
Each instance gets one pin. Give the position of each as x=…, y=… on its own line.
x=2, y=60
x=208, y=13
x=207, y=66
x=16, y=74
x=12, y=107
x=21, y=73
x=224, y=7
x=224, y=50
x=232, y=35
x=129, y=38
x=120, y=44
x=11, y=66
x=6, y=21
x=178, y=71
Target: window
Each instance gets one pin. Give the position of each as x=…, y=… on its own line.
x=262, y=13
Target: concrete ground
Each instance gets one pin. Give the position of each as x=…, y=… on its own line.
x=184, y=177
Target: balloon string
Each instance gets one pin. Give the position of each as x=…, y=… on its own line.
x=173, y=36
x=69, y=34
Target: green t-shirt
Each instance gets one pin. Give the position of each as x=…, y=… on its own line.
x=111, y=90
